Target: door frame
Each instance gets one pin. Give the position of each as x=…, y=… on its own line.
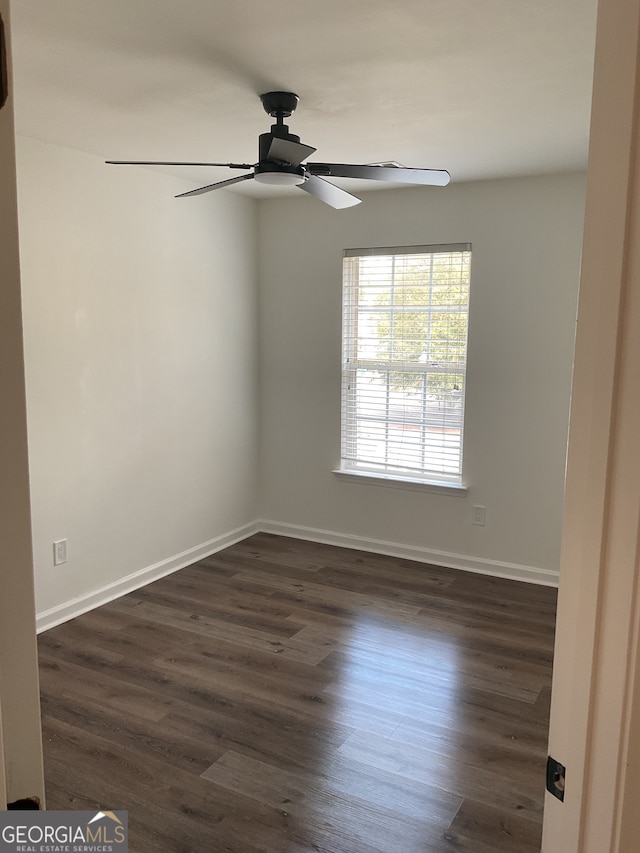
x=595, y=709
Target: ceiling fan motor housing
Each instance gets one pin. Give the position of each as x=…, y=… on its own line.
x=281, y=131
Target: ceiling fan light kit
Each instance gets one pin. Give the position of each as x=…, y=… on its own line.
x=280, y=163
x=276, y=175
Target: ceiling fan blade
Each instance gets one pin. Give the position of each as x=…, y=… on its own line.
x=217, y=186
x=170, y=163
x=289, y=152
x=328, y=193
x=393, y=174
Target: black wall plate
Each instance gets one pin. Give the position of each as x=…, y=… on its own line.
x=555, y=778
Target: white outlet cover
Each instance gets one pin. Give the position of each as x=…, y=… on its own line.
x=59, y=552
x=479, y=516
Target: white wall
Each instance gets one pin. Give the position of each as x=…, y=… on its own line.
x=526, y=238
x=141, y=337
x=141, y=343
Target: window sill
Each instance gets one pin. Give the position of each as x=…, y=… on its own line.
x=371, y=479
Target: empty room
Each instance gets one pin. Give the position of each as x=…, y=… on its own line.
x=295, y=328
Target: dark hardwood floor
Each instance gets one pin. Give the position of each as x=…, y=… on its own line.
x=288, y=697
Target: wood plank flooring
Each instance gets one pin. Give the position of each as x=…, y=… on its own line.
x=289, y=697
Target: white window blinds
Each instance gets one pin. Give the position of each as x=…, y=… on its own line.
x=405, y=317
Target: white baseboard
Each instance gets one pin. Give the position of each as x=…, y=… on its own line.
x=511, y=571
x=77, y=606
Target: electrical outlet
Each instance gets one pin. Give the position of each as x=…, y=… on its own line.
x=59, y=552
x=479, y=515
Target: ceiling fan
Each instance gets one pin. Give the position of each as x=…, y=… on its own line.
x=280, y=163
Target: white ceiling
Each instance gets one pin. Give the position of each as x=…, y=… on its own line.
x=483, y=88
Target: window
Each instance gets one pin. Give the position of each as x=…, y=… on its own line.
x=405, y=317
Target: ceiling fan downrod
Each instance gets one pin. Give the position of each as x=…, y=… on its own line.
x=278, y=105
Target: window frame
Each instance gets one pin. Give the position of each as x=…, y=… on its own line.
x=351, y=468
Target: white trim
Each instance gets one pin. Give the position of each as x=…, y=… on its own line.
x=478, y=565
x=445, y=248
x=373, y=410
x=370, y=478
x=103, y=595
x=77, y=606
